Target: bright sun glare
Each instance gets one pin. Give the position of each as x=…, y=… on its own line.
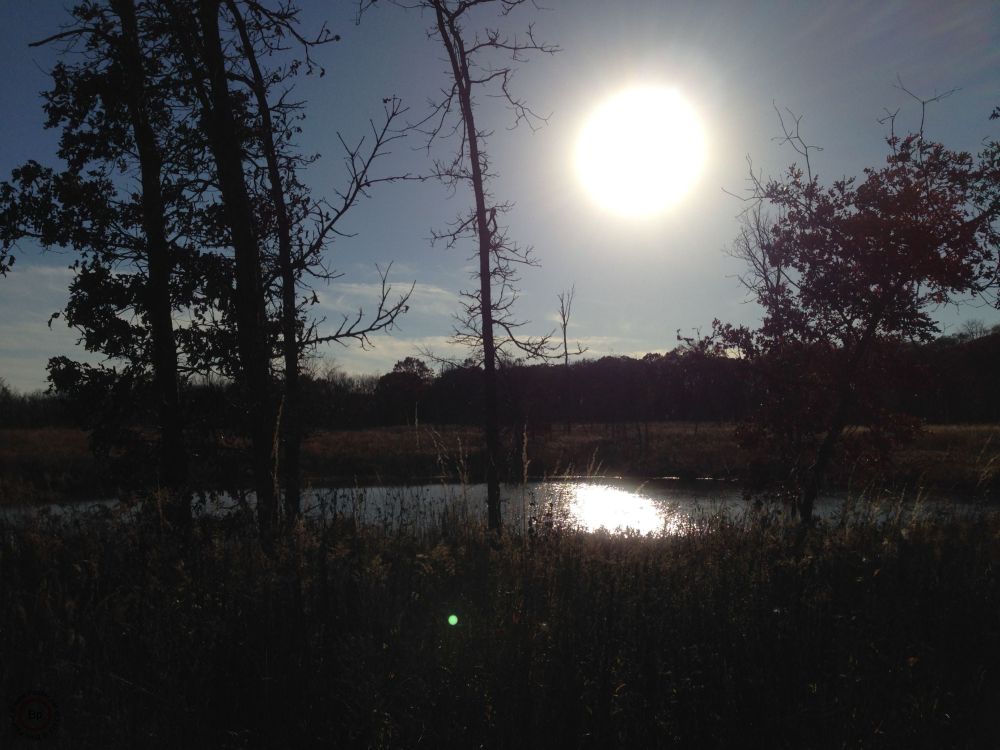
x=595, y=506
x=640, y=151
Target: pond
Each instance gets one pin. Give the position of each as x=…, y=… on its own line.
x=658, y=506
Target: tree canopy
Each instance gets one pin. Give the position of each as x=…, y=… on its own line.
x=845, y=273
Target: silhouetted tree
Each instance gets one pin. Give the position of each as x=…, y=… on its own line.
x=845, y=274
x=399, y=392
x=565, y=311
x=138, y=260
x=987, y=201
x=486, y=324
x=973, y=329
x=269, y=217
x=302, y=228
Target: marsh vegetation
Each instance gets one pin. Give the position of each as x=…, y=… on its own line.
x=866, y=633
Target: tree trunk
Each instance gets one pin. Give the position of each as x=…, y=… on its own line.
x=173, y=455
x=456, y=51
x=250, y=312
x=291, y=415
x=817, y=471
x=824, y=454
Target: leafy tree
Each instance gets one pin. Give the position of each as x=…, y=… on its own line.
x=138, y=259
x=174, y=91
x=401, y=390
x=987, y=201
x=845, y=273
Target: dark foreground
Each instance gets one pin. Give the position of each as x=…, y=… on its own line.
x=730, y=636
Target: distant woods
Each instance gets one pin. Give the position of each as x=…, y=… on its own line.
x=952, y=380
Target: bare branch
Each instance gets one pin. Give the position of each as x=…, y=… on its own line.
x=356, y=328
x=923, y=102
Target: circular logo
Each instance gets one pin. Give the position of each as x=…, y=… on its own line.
x=35, y=715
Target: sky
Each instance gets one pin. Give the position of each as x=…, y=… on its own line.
x=638, y=280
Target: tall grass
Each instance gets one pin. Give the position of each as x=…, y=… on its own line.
x=874, y=633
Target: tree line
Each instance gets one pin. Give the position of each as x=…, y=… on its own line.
x=952, y=380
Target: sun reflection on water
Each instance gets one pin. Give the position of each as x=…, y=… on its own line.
x=596, y=506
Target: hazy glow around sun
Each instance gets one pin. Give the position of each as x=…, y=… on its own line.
x=640, y=151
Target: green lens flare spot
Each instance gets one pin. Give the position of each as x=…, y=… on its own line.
x=453, y=619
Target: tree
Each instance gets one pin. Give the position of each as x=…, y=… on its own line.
x=486, y=323
x=303, y=228
x=565, y=311
x=267, y=204
x=174, y=91
x=987, y=200
x=400, y=391
x=972, y=330
x=845, y=273
x=112, y=103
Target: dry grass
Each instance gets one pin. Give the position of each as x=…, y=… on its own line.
x=953, y=456
x=388, y=453
x=681, y=449
x=53, y=445
x=730, y=636
x=44, y=463
x=659, y=449
x=964, y=458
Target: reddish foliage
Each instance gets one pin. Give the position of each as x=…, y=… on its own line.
x=845, y=275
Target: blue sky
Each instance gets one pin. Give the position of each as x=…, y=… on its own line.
x=637, y=281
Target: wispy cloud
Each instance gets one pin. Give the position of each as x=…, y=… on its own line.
x=28, y=297
x=346, y=298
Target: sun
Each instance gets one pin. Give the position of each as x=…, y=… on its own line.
x=640, y=151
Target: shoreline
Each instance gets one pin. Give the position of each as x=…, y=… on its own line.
x=45, y=465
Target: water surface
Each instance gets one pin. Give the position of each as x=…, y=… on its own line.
x=659, y=506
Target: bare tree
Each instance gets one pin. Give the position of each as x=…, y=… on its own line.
x=303, y=228
x=486, y=323
x=972, y=330
x=278, y=233
x=565, y=310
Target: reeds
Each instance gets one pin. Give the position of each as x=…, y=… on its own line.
x=882, y=629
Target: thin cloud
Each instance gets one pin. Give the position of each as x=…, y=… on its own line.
x=28, y=297
x=345, y=298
